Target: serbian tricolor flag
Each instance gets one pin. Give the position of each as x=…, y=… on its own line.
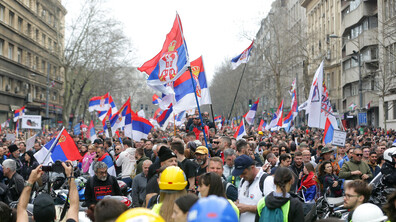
x=249, y=116
x=242, y=58
x=328, y=132
x=217, y=118
x=240, y=132
x=287, y=121
x=19, y=113
x=123, y=118
x=184, y=88
x=164, y=117
x=107, y=117
x=156, y=99
x=140, y=128
x=99, y=103
x=106, y=158
x=261, y=126
x=277, y=119
x=91, y=132
x=172, y=61
x=64, y=149
x=157, y=113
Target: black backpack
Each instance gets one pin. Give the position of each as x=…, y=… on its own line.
x=261, y=182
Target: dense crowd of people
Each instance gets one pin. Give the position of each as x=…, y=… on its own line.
x=179, y=176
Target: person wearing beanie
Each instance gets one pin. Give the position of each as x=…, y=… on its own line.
x=29, y=164
x=14, y=155
x=166, y=158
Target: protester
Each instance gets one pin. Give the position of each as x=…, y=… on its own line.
x=88, y=158
x=139, y=185
x=329, y=180
x=356, y=168
x=100, y=185
x=308, y=183
x=15, y=180
x=280, y=198
x=29, y=164
x=182, y=206
x=357, y=192
x=109, y=210
x=172, y=184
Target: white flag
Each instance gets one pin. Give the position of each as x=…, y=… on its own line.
x=30, y=142
x=314, y=99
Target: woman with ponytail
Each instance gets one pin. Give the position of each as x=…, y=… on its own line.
x=280, y=200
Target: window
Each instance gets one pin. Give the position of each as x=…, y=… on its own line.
x=37, y=8
x=374, y=53
x=11, y=19
x=43, y=13
x=2, y=10
x=36, y=65
x=386, y=110
x=29, y=30
x=1, y=46
x=43, y=39
x=37, y=34
x=49, y=44
x=20, y=24
x=28, y=59
x=43, y=66
x=10, y=51
x=19, y=55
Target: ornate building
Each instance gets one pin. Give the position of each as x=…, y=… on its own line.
x=31, y=46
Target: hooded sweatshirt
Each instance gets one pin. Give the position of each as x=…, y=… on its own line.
x=296, y=206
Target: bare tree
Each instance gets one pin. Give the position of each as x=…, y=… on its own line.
x=94, y=50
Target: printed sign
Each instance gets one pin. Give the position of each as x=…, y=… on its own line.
x=31, y=122
x=339, y=138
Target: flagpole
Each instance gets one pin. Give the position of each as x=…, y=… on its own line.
x=53, y=145
x=236, y=94
x=211, y=107
x=199, y=110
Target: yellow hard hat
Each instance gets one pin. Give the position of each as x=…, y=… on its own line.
x=139, y=214
x=172, y=178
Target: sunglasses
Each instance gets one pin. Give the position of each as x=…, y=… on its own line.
x=360, y=154
x=216, y=142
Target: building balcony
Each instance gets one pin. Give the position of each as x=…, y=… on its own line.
x=366, y=8
x=366, y=38
x=349, y=76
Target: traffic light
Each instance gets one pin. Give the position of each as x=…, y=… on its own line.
x=250, y=103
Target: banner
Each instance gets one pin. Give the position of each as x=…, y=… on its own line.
x=31, y=122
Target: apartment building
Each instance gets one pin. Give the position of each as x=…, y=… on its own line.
x=31, y=45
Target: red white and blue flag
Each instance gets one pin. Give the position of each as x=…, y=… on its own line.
x=164, y=118
x=243, y=57
x=64, y=149
x=328, y=132
x=180, y=118
x=184, y=88
x=294, y=105
x=172, y=61
x=140, y=128
x=217, y=119
x=123, y=118
x=91, y=132
x=156, y=99
x=249, y=116
x=240, y=132
x=19, y=113
x=262, y=125
x=106, y=158
x=277, y=119
x=107, y=117
x=99, y=103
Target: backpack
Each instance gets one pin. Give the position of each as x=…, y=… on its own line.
x=261, y=182
x=274, y=215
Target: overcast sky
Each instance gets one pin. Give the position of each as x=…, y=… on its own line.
x=216, y=29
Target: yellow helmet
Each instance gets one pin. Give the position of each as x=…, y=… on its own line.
x=139, y=214
x=172, y=178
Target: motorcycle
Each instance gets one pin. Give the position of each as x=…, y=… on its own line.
x=331, y=207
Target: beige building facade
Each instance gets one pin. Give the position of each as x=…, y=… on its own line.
x=31, y=45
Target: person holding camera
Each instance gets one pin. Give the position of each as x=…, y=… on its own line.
x=43, y=205
x=100, y=185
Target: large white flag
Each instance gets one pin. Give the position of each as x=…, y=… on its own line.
x=319, y=106
x=314, y=99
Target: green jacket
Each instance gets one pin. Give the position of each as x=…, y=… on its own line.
x=139, y=167
x=348, y=167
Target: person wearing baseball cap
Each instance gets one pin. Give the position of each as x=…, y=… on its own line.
x=201, y=158
x=325, y=155
x=249, y=191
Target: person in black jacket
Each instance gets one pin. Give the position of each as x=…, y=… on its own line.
x=29, y=164
x=283, y=180
x=100, y=185
x=16, y=182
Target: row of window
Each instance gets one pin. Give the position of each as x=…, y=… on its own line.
x=390, y=105
x=369, y=54
x=26, y=28
x=390, y=59
x=23, y=88
x=26, y=58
